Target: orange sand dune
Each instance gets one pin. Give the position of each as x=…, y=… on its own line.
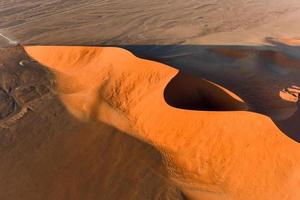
x=290, y=94
x=290, y=41
x=212, y=149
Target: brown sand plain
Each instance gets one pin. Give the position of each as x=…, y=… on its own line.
x=115, y=22
x=227, y=154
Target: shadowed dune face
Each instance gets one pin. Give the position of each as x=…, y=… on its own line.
x=257, y=74
x=189, y=92
x=208, y=155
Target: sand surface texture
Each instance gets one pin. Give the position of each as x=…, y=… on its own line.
x=216, y=116
x=46, y=153
x=115, y=22
x=213, y=150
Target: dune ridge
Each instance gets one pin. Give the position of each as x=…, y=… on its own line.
x=208, y=154
x=45, y=153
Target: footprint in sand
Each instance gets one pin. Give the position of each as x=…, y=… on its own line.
x=290, y=94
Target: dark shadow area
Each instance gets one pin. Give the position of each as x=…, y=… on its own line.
x=255, y=73
x=291, y=126
x=193, y=93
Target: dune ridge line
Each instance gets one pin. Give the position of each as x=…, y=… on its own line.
x=229, y=154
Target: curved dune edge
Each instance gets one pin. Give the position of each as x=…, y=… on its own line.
x=290, y=94
x=189, y=92
x=209, y=155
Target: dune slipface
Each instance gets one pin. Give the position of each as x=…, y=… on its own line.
x=212, y=147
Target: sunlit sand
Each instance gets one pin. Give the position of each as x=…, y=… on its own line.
x=213, y=148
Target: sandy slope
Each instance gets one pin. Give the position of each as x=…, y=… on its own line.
x=46, y=153
x=208, y=154
x=257, y=74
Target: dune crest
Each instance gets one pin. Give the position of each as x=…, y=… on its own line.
x=213, y=149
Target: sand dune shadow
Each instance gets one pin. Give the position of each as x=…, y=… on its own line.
x=193, y=93
x=255, y=73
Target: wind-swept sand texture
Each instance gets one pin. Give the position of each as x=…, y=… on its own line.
x=46, y=153
x=115, y=22
x=232, y=154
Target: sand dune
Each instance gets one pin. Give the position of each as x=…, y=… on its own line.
x=290, y=94
x=46, y=153
x=260, y=71
x=230, y=154
x=208, y=138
